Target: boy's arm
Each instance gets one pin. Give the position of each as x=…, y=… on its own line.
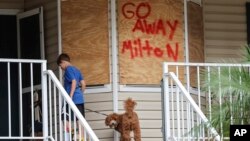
x=73, y=88
x=83, y=84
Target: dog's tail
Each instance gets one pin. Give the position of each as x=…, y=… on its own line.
x=129, y=105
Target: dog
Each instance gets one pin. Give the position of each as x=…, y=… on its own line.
x=126, y=122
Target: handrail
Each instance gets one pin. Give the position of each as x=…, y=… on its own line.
x=206, y=64
x=72, y=105
x=193, y=104
x=22, y=60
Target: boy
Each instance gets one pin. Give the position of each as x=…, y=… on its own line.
x=74, y=85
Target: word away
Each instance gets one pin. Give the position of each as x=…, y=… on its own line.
x=137, y=48
x=157, y=27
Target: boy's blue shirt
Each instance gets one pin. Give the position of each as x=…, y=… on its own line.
x=70, y=74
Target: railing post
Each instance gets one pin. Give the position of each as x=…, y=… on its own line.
x=166, y=117
x=44, y=101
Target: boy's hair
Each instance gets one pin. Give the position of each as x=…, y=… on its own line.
x=62, y=57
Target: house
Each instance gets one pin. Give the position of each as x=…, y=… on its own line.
x=119, y=46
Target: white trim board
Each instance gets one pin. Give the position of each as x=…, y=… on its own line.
x=10, y=11
x=98, y=89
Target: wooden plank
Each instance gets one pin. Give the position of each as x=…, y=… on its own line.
x=225, y=18
x=11, y=5
x=98, y=97
x=228, y=35
x=95, y=116
x=222, y=51
x=142, y=105
x=85, y=37
x=99, y=106
x=146, y=124
x=98, y=124
x=142, y=50
x=226, y=26
x=30, y=4
x=235, y=9
x=223, y=59
x=154, y=115
x=224, y=2
x=107, y=133
x=223, y=47
x=151, y=133
x=150, y=124
x=225, y=42
x=140, y=96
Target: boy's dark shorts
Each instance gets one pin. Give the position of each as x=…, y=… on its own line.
x=66, y=116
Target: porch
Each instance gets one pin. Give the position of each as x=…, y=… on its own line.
x=185, y=105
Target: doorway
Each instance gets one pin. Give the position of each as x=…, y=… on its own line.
x=30, y=46
x=21, y=36
x=8, y=49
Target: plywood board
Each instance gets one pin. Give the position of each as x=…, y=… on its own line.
x=85, y=38
x=195, y=33
x=150, y=32
x=196, y=38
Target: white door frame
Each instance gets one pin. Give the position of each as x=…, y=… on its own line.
x=27, y=14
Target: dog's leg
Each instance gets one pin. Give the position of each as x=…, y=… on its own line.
x=137, y=134
x=137, y=130
x=125, y=135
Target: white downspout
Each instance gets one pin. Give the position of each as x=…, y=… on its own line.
x=186, y=52
x=114, y=60
x=59, y=40
x=186, y=34
x=59, y=34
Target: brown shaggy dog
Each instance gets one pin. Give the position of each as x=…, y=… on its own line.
x=126, y=122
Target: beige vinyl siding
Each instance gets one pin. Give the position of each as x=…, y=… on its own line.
x=50, y=29
x=149, y=111
x=11, y=4
x=225, y=29
x=102, y=103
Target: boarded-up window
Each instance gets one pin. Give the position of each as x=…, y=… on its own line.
x=150, y=32
x=85, y=38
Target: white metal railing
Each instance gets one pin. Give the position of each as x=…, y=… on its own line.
x=19, y=79
x=184, y=82
x=178, y=109
x=58, y=97
x=27, y=116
